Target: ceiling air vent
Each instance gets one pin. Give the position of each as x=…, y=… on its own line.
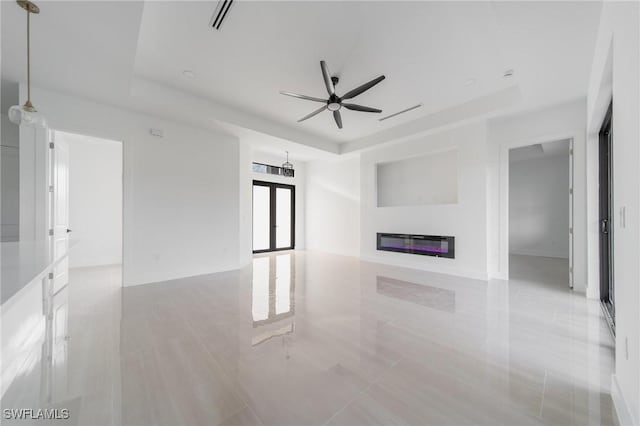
x=221, y=13
x=400, y=112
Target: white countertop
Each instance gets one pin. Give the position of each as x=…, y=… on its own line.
x=21, y=263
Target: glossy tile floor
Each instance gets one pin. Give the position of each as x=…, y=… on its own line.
x=312, y=339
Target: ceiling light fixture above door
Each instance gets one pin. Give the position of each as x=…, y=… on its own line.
x=287, y=167
x=334, y=103
x=27, y=114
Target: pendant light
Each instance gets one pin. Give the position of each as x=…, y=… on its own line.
x=27, y=114
x=287, y=167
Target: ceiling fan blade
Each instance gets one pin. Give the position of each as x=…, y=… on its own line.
x=309, y=98
x=338, y=118
x=316, y=112
x=355, y=107
x=355, y=92
x=327, y=78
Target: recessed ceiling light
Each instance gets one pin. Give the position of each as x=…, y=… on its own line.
x=508, y=73
x=188, y=74
x=470, y=82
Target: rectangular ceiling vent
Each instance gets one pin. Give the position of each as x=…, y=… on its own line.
x=221, y=13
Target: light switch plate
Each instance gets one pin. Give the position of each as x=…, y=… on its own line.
x=156, y=132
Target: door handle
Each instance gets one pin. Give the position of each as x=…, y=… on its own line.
x=68, y=230
x=604, y=226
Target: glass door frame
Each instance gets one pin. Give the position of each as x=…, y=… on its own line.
x=605, y=207
x=272, y=214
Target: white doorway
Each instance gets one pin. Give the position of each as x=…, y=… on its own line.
x=540, y=212
x=95, y=199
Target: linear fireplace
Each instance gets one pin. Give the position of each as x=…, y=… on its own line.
x=427, y=245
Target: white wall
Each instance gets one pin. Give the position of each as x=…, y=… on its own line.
x=615, y=72
x=245, y=224
x=181, y=203
x=95, y=199
x=539, y=206
x=565, y=121
x=10, y=180
x=466, y=220
x=395, y=180
x=333, y=206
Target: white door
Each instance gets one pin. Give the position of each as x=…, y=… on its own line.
x=571, y=213
x=60, y=209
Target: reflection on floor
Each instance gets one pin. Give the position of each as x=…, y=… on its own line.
x=422, y=294
x=311, y=339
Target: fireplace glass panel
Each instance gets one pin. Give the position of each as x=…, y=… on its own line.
x=430, y=245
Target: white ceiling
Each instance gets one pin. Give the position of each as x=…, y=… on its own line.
x=81, y=47
x=427, y=50
x=540, y=150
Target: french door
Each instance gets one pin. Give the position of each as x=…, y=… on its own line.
x=273, y=216
x=59, y=229
x=607, y=293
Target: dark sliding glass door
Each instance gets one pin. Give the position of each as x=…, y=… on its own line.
x=607, y=291
x=273, y=216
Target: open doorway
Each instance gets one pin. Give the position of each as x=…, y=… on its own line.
x=540, y=213
x=95, y=193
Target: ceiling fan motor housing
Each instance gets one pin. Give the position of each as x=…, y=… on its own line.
x=334, y=103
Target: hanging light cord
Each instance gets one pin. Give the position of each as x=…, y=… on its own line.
x=28, y=55
x=28, y=103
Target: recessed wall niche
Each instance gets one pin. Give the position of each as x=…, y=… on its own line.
x=426, y=180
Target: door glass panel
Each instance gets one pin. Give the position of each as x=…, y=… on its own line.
x=283, y=284
x=283, y=217
x=261, y=217
x=260, y=290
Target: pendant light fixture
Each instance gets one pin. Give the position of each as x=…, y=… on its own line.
x=287, y=167
x=27, y=114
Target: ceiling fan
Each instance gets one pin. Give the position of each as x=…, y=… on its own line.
x=334, y=103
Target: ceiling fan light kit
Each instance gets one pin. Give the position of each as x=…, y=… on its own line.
x=335, y=103
x=27, y=114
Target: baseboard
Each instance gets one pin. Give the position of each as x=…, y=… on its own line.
x=337, y=253
x=475, y=275
x=499, y=276
x=127, y=282
x=539, y=253
x=625, y=418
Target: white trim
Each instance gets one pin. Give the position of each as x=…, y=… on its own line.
x=499, y=276
x=596, y=113
x=625, y=417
